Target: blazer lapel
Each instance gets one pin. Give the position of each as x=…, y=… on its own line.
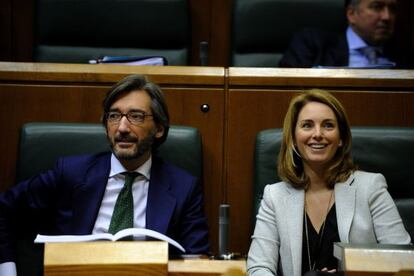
x=87, y=196
x=160, y=203
x=294, y=206
x=345, y=207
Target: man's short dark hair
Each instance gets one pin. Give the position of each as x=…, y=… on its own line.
x=159, y=107
x=351, y=2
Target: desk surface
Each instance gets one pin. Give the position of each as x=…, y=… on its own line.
x=374, y=257
x=206, y=267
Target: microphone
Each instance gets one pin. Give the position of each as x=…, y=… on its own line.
x=224, y=217
x=203, y=53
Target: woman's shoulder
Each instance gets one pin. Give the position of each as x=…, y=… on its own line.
x=366, y=175
x=367, y=180
x=280, y=188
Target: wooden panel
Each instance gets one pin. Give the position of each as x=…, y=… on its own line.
x=106, y=258
x=5, y=30
x=108, y=74
x=258, y=99
x=73, y=93
x=404, y=27
x=374, y=258
x=199, y=267
x=23, y=29
x=200, y=24
x=220, y=31
x=355, y=79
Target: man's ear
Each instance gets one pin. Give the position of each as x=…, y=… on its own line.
x=350, y=14
x=160, y=131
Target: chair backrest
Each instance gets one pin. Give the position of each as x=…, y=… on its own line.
x=73, y=31
x=262, y=29
x=42, y=143
x=386, y=150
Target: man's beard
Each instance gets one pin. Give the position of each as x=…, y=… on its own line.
x=141, y=147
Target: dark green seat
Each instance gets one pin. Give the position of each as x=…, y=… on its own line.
x=42, y=143
x=75, y=31
x=262, y=29
x=386, y=150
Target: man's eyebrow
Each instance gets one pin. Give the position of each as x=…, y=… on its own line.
x=137, y=110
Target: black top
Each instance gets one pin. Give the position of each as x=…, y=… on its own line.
x=321, y=253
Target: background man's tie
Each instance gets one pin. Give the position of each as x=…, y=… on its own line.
x=123, y=215
x=370, y=53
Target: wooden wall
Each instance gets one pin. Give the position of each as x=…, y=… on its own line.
x=211, y=22
x=242, y=102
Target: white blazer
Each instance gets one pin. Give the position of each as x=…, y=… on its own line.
x=365, y=212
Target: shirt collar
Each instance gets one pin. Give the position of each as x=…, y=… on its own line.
x=117, y=168
x=354, y=41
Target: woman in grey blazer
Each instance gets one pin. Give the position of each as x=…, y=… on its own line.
x=322, y=199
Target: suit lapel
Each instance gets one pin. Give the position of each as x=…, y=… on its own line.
x=87, y=196
x=294, y=206
x=160, y=203
x=345, y=207
x=338, y=51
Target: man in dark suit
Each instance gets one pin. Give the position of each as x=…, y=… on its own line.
x=366, y=42
x=80, y=194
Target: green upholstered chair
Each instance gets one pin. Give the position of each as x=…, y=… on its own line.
x=75, y=31
x=387, y=150
x=42, y=143
x=262, y=29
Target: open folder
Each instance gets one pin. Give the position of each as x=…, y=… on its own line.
x=131, y=60
x=137, y=233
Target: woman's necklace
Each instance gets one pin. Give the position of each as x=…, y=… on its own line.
x=312, y=266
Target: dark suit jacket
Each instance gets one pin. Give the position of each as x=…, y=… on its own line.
x=314, y=47
x=67, y=198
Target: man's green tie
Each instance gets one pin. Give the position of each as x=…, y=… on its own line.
x=123, y=215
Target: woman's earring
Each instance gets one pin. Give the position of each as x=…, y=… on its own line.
x=296, y=151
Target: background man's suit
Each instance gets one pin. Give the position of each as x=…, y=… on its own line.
x=314, y=47
x=67, y=198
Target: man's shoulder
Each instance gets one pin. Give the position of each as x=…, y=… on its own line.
x=312, y=47
x=163, y=166
x=317, y=35
x=84, y=160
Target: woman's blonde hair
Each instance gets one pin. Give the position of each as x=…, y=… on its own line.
x=290, y=166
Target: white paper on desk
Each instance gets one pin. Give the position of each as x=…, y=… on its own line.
x=135, y=232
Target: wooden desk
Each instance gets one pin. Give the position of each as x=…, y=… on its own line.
x=196, y=267
x=106, y=258
x=130, y=258
x=378, y=258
